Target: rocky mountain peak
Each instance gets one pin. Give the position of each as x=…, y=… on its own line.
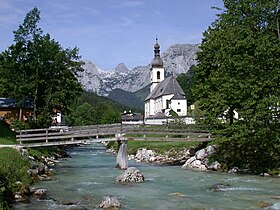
x=91, y=68
x=177, y=59
x=121, y=67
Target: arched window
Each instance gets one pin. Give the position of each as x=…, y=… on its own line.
x=158, y=75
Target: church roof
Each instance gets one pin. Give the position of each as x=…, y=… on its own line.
x=167, y=87
x=178, y=96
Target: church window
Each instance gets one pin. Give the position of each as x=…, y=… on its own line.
x=168, y=104
x=158, y=74
x=178, y=110
x=178, y=103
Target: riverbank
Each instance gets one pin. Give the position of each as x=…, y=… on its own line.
x=20, y=168
x=190, y=155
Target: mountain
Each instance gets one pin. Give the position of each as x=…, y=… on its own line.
x=90, y=77
x=177, y=59
x=143, y=93
x=121, y=68
x=126, y=98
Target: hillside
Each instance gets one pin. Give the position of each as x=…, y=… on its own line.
x=143, y=92
x=126, y=98
x=93, y=99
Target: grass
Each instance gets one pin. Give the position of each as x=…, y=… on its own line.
x=38, y=152
x=13, y=168
x=160, y=147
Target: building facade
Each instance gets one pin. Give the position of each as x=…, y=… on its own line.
x=11, y=110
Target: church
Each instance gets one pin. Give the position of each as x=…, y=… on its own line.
x=166, y=97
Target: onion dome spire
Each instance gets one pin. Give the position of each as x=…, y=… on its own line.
x=157, y=62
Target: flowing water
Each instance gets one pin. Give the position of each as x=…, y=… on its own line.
x=89, y=175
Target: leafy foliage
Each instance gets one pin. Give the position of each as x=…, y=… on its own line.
x=187, y=81
x=91, y=109
x=37, y=67
x=239, y=68
x=6, y=132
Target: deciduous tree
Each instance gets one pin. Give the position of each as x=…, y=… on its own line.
x=38, y=68
x=239, y=69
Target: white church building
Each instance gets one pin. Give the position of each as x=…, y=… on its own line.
x=166, y=97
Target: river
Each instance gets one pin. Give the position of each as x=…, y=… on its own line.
x=89, y=175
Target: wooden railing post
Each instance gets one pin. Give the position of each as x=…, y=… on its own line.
x=97, y=131
x=47, y=132
x=20, y=133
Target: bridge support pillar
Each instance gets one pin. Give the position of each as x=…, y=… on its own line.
x=122, y=160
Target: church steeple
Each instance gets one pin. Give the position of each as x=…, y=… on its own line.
x=157, y=70
x=157, y=62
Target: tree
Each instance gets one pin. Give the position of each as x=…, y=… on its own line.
x=239, y=69
x=37, y=67
x=84, y=115
x=187, y=81
x=90, y=109
x=110, y=116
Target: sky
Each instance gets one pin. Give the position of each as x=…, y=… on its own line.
x=109, y=32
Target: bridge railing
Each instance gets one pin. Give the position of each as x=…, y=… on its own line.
x=129, y=132
x=68, y=133
x=165, y=133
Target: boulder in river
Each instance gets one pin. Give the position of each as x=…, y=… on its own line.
x=216, y=166
x=131, y=174
x=109, y=202
x=40, y=193
x=145, y=155
x=200, y=160
x=219, y=187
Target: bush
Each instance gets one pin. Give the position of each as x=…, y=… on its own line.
x=5, y=194
x=5, y=130
x=7, y=136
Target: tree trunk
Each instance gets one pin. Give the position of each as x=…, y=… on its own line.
x=20, y=114
x=231, y=115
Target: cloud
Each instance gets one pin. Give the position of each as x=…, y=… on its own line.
x=129, y=4
x=126, y=22
x=10, y=14
x=91, y=11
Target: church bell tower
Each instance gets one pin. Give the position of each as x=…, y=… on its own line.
x=157, y=70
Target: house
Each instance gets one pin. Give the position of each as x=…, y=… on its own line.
x=10, y=109
x=166, y=98
x=132, y=118
x=58, y=119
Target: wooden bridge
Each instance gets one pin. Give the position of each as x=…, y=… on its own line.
x=103, y=133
